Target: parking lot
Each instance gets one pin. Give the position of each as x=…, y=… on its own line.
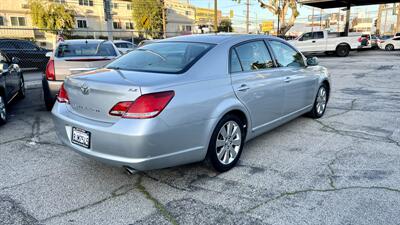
x=341, y=169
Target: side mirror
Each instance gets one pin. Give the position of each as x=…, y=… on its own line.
x=49, y=54
x=15, y=60
x=313, y=61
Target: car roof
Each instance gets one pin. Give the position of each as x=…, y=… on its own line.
x=217, y=38
x=79, y=41
x=122, y=41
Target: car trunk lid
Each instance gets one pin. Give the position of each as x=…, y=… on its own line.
x=93, y=94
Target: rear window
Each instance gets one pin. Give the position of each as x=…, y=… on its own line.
x=163, y=57
x=85, y=49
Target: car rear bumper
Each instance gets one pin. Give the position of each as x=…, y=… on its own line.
x=140, y=144
x=51, y=87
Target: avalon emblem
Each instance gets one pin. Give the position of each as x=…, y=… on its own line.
x=85, y=89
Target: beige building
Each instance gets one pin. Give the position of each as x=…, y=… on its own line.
x=182, y=18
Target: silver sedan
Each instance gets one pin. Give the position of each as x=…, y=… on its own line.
x=188, y=98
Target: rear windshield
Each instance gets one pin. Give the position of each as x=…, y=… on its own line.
x=162, y=57
x=85, y=49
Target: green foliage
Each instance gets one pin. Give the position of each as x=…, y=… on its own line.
x=150, y=10
x=225, y=26
x=51, y=16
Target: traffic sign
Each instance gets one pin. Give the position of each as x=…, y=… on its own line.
x=267, y=26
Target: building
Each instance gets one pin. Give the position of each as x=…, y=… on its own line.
x=180, y=17
x=205, y=19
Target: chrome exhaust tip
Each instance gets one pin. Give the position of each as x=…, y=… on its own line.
x=130, y=170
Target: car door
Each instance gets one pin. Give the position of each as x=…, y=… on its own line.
x=300, y=81
x=304, y=43
x=7, y=75
x=396, y=43
x=30, y=55
x=256, y=82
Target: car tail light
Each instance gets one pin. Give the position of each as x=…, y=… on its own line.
x=50, y=74
x=62, y=96
x=146, y=106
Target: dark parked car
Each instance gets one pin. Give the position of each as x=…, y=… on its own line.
x=12, y=84
x=30, y=55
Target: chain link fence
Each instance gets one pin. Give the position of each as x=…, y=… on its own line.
x=30, y=45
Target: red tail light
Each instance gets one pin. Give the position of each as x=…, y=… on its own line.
x=146, y=106
x=62, y=96
x=50, y=74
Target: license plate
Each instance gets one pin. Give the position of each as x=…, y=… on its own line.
x=80, y=137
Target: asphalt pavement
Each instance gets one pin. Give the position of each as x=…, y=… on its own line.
x=341, y=169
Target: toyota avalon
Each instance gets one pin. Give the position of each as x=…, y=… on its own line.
x=188, y=98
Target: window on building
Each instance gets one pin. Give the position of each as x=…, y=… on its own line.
x=114, y=5
x=81, y=23
x=117, y=25
x=187, y=13
x=1, y=21
x=129, y=25
x=18, y=21
x=129, y=6
x=86, y=2
x=58, y=1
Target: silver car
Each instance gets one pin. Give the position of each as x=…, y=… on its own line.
x=71, y=57
x=183, y=99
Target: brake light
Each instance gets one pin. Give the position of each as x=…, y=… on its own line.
x=50, y=74
x=146, y=106
x=62, y=96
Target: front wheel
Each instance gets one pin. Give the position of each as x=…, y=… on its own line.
x=226, y=143
x=3, y=110
x=320, y=102
x=21, y=92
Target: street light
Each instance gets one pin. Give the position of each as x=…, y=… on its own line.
x=279, y=13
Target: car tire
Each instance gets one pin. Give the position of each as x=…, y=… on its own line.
x=21, y=92
x=389, y=47
x=3, y=110
x=48, y=100
x=225, y=146
x=342, y=50
x=320, y=103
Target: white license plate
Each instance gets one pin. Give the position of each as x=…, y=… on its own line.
x=80, y=137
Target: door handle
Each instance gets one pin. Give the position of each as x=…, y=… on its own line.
x=313, y=41
x=243, y=87
x=288, y=79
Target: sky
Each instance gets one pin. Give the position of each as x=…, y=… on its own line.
x=258, y=14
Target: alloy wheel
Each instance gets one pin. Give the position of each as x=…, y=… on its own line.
x=228, y=142
x=2, y=109
x=321, y=100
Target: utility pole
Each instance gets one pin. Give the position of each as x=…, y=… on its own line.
x=247, y=15
x=338, y=22
x=312, y=20
x=398, y=19
x=108, y=18
x=279, y=18
x=164, y=18
x=384, y=25
x=347, y=26
x=379, y=20
x=215, y=16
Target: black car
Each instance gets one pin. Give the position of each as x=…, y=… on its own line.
x=12, y=84
x=30, y=55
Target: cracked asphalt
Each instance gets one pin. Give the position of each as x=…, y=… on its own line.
x=341, y=169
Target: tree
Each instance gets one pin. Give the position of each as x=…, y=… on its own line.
x=147, y=16
x=280, y=8
x=51, y=16
x=225, y=26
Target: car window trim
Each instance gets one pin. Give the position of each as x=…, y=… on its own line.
x=268, y=44
x=245, y=42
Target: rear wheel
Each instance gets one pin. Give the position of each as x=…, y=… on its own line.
x=320, y=102
x=3, y=110
x=389, y=47
x=342, y=50
x=226, y=143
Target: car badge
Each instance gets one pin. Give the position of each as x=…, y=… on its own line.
x=85, y=89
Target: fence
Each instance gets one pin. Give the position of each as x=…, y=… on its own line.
x=47, y=38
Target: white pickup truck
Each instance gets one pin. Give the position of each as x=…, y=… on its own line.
x=322, y=41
